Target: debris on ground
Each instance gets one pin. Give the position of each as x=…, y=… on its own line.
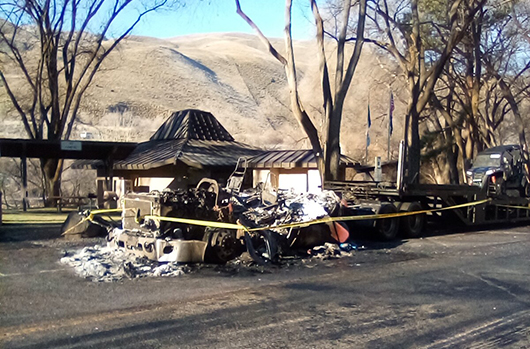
x=331, y=251
x=106, y=264
x=209, y=224
x=151, y=226
x=109, y=264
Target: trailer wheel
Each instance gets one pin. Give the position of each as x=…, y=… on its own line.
x=387, y=228
x=412, y=226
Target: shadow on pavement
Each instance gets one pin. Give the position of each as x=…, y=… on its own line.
x=29, y=232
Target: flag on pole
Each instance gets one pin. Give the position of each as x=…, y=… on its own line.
x=390, y=126
x=368, y=128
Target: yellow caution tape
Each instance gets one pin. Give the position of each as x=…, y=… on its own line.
x=211, y=224
x=366, y=217
x=315, y=221
x=110, y=210
x=232, y=226
x=510, y=206
x=90, y=217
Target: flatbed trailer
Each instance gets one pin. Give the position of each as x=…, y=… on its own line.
x=382, y=198
x=470, y=205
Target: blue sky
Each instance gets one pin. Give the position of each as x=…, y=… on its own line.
x=207, y=16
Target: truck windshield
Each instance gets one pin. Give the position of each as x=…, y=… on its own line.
x=487, y=160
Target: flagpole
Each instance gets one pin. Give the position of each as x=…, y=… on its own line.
x=389, y=121
x=369, y=124
x=366, y=153
x=390, y=126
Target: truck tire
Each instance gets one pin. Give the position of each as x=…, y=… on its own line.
x=387, y=228
x=412, y=226
x=222, y=247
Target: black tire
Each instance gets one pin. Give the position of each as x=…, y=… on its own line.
x=222, y=246
x=387, y=228
x=412, y=226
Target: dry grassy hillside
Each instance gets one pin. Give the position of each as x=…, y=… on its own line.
x=233, y=77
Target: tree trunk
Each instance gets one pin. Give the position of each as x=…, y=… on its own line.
x=451, y=158
x=519, y=121
x=332, y=159
x=51, y=170
x=412, y=134
x=414, y=148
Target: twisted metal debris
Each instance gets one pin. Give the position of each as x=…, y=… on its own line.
x=199, y=225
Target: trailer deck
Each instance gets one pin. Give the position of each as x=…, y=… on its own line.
x=371, y=195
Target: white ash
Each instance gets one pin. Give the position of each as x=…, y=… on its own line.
x=294, y=208
x=311, y=206
x=107, y=264
x=329, y=251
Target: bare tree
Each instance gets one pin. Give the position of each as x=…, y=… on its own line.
x=326, y=146
x=57, y=47
x=407, y=30
x=484, y=82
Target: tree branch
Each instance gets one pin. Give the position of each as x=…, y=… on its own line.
x=261, y=36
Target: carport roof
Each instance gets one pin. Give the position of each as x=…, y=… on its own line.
x=193, y=137
x=60, y=149
x=291, y=159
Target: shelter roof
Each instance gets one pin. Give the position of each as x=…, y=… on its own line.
x=61, y=149
x=291, y=159
x=192, y=124
x=194, y=153
x=197, y=139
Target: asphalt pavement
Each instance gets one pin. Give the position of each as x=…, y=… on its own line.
x=456, y=290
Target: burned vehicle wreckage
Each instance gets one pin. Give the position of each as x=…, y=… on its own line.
x=214, y=225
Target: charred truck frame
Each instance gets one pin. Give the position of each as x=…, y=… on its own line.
x=200, y=225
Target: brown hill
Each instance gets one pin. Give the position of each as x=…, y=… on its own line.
x=233, y=77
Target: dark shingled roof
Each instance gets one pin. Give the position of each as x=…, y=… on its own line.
x=291, y=159
x=192, y=136
x=192, y=124
x=195, y=153
x=152, y=154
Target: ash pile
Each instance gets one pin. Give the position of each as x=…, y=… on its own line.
x=212, y=225
x=107, y=264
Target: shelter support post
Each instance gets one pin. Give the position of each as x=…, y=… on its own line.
x=24, y=173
